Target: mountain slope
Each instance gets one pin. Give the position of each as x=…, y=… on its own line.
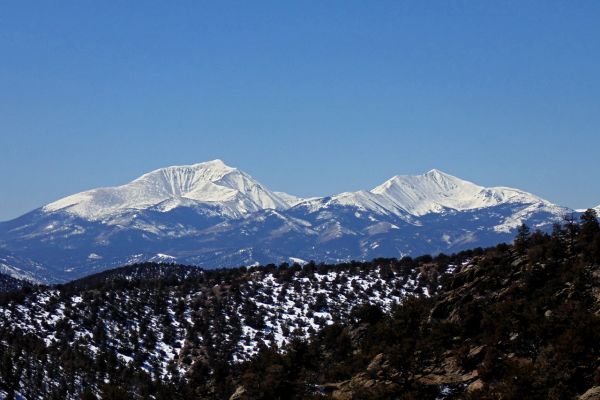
x=506, y=322
x=10, y=284
x=212, y=215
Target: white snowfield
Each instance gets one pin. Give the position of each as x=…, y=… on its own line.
x=238, y=194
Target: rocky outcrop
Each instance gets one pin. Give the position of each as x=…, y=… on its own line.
x=449, y=372
x=475, y=386
x=591, y=394
x=240, y=394
x=378, y=381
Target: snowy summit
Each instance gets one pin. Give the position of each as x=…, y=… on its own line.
x=167, y=188
x=214, y=182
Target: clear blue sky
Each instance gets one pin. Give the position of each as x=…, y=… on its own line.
x=312, y=98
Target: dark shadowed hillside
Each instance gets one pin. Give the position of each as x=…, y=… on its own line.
x=9, y=284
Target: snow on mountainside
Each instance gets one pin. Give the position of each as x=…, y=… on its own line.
x=168, y=188
x=289, y=199
x=238, y=194
x=432, y=192
x=212, y=215
x=435, y=190
x=27, y=270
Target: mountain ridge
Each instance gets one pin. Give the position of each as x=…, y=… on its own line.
x=216, y=182
x=213, y=215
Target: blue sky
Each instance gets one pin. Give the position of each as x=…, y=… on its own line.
x=311, y=98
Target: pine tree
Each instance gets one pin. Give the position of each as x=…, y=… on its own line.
x=572, y=230
x=589, y=236
x=589, y=225
x=7, y=371
x=523, y=238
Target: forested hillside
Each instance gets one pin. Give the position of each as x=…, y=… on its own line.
x=8, y=283
x=509, y=322
x=152, y=327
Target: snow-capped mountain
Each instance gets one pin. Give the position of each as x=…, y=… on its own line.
x=212, y=215
x=206, y=183
x=432, y=192
x=435, y=190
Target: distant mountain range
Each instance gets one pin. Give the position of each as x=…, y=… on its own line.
x=212, y=215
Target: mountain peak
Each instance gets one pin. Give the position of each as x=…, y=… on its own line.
x=207, y=170
x=434, y=171
x=216, y=163
x=435, y=190
x=211, y=182
x=439, y=175
x=433, y=180
x=210, y=169
x=429, y=192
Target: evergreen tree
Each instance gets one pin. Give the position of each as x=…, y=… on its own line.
x=589, y=236
x=589, y=225
x=522, y=240
x=572, y=230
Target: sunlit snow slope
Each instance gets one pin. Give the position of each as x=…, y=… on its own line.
x=208, y=182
